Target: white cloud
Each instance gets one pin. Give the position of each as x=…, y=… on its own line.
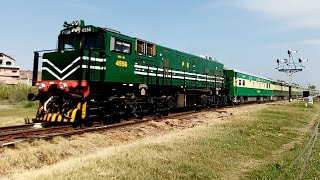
x=294, y=13
x=311, y=42
x=299, y=14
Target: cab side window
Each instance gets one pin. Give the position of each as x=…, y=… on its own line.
x=145, y=48
x=120, y=46
x=141, y=46
x=150, y=49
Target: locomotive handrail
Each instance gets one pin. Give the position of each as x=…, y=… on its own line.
x=75, y=49
x=47, y=50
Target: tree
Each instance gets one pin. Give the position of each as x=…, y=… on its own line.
x=312, y=87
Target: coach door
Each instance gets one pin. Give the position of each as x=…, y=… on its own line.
x=236, y=83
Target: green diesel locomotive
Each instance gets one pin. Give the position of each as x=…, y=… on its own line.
x=98, y=73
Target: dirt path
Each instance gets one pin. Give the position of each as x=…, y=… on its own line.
x=3, y=107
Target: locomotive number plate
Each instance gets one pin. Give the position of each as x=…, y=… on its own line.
x=122, y=63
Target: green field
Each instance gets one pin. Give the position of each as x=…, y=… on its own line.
x=257, y=144
x=14, y=106
x=14, y=113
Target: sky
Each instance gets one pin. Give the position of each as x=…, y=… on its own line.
x=248, y=35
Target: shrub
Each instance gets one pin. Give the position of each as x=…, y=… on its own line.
x=15, y=92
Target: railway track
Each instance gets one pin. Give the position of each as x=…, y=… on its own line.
x=11, y=135
x=26, y=133
x=7, y=129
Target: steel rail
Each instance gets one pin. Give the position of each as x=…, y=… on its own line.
x=11, y=138
x=6, y=129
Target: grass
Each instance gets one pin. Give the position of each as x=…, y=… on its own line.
x=14, y=106
x=255, y=145
x=13, y=113
x=289, y=166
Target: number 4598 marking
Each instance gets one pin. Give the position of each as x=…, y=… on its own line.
x=122, y=63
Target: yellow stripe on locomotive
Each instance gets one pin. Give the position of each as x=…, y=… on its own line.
x=72, y=115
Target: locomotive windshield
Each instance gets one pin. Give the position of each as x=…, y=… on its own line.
x=86, y=41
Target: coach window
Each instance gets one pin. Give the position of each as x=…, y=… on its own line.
x=120, y=46
x=239, y=82
x=0, y=62
x=94, y=41
x=150, y=49
x=243, y=82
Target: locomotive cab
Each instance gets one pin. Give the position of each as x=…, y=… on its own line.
x=66, y=71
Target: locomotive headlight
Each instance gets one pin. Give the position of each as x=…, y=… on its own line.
x=41, y=86
x=75, y=23
x=63, y=86
x=75, y=30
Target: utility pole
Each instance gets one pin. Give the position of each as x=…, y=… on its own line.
x=290, y=66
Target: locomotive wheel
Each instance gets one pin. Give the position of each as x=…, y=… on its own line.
x=137, y=111
x=165, y=113
x=171, y=101
x=203, y=100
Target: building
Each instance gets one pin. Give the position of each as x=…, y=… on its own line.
x=26, y=77
x=9, y=73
